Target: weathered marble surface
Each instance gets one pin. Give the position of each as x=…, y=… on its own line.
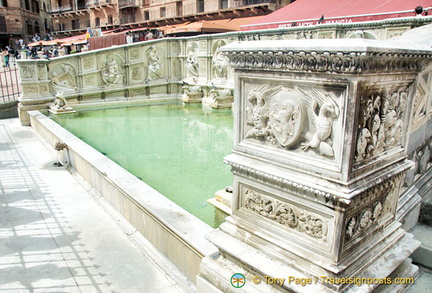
x=319, y=162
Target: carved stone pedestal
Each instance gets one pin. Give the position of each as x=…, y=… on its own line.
x=318, y=165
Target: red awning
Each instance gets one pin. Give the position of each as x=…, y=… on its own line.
x=311, y=12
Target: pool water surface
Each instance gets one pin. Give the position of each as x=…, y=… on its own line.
x=177, y=150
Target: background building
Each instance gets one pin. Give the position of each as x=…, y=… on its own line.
x=72, y=17
x=23, y=19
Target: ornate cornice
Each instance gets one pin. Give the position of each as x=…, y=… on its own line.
x=325, y=61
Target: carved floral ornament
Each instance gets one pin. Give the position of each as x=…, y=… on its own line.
x=294, y=118
x=286, y=214
x=380, y=123
x=380, y=197
x=328, y=61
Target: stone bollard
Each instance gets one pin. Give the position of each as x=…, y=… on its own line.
x=318, y=162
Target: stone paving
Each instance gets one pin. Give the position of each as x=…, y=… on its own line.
x=55, y=236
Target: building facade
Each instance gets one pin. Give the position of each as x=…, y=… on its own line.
x=23, y=19
x=72, y=17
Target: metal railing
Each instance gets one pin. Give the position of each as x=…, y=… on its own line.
x=9, y=85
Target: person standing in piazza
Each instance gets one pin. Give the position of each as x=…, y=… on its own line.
x=6, y=57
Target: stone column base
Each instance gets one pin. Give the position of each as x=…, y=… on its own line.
x=265, y=274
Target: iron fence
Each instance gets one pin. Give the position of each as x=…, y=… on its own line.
x=9, y=84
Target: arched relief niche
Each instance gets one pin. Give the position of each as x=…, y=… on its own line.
x=63, y=77
x=219, y=61
x=155, y=63
x=191, y=62
x=111, y=70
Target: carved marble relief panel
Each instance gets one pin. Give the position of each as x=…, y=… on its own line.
x=191, y=63
x=88, y=63
x=377, y=207
x=422, y=100
x=28, y=71
x=111, y=69
x=293, y=117
x=134, y=55
x=136, y=74
x=381, y=122
x=219, y=61
x=154, y=63
x=42, y=72
x=63, y=77
x=291, y=216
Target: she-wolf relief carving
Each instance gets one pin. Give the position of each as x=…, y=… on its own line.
x=294, y=119
x=380, y=123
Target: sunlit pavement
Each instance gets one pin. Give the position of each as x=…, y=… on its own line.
x=55, y=236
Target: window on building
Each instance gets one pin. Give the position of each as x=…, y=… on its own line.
x=27, y=4
x=35, y=6
x=81, y=4
x=3, y=27
x=75, y=24
x=29, y=27
x=179, y=8
x=61, y=27
x=223, y=4
x=110, y=19
x=163, y=12
x=97, y=21
x=3, y=3
x=200, y=6
x=146, y=15
x=36, y=27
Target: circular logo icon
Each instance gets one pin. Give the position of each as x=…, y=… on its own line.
x=238, y=280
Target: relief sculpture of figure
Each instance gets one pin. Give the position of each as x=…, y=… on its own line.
x=154, y=64
x=192, y=61
x=65, y=79
x=258, y=114
x=220, y=63
x=111, y=73
x=323, y=122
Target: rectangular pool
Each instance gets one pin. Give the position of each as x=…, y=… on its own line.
x=176, y=150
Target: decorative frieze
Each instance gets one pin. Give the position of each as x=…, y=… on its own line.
x=381, y=122
x=378, y=202
x=326, y=61
x=285, y=214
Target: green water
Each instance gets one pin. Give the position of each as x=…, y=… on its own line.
x=177, y=150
